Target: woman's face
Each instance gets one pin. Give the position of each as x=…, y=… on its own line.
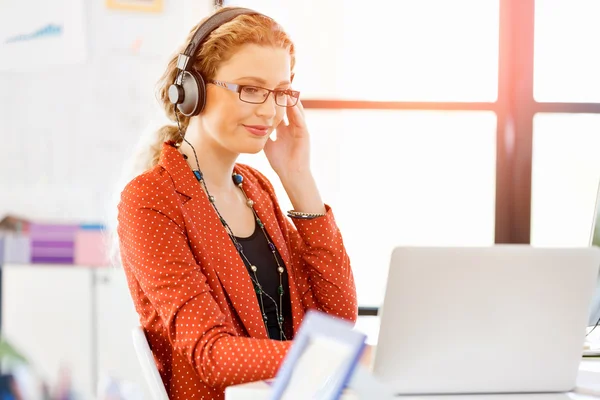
x=238, y=126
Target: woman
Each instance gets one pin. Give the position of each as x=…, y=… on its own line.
x=220, y=277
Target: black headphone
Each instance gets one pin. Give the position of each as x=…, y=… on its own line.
x=188, y=92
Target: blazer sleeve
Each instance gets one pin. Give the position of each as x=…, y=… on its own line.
x=323, y=271
x=318, y=252
x=155, y=249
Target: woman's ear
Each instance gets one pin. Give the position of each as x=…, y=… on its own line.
x=292, y=77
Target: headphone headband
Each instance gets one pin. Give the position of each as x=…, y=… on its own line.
x=212, y=23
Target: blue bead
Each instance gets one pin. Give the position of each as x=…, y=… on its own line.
x=198, y=174
x=237, y=179
x=271, y=246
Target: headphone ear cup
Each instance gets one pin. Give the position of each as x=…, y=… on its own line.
x=194, y=91
x=175, y=94
x=201, y=85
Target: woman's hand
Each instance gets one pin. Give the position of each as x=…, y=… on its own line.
x=289, y=154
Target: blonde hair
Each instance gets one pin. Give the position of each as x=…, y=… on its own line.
x=219, y=46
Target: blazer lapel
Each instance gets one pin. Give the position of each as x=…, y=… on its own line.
x=273, y=219
x=211, y=244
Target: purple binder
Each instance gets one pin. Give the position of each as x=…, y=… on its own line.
x=52, y=243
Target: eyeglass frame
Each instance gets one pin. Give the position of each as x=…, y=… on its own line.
x=237, y=88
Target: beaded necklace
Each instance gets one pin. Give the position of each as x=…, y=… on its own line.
x=238, y=180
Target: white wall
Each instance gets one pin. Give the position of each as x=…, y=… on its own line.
x=66, y=131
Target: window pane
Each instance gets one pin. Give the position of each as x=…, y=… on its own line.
x=402, y=178
x=566, y=61
x=405, y=50
x=426, y=50
x=565, y=173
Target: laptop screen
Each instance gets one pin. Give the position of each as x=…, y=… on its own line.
x=595, y=233
x=595, y=241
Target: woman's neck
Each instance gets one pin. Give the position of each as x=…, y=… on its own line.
x=215, y=162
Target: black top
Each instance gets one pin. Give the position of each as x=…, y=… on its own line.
x=257, y=251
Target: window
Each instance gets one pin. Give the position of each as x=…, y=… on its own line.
x=401, y=178
x=566, y=62
x=506, y=96
x=566, y=172
x=405, y=50
x=398, y=176
x=426, y=50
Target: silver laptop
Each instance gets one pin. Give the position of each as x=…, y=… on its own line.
x=500, y=319
x=594, y=319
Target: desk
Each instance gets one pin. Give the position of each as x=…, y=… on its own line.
x=588, y=383
x=260, y=391
x=590, y=364
x=589, y=377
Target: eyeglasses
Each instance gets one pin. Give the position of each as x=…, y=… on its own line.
x=258, y=95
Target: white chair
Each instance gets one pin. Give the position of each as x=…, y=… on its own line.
x=144, y=354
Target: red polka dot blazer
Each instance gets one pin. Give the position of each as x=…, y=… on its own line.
x=192, y=291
